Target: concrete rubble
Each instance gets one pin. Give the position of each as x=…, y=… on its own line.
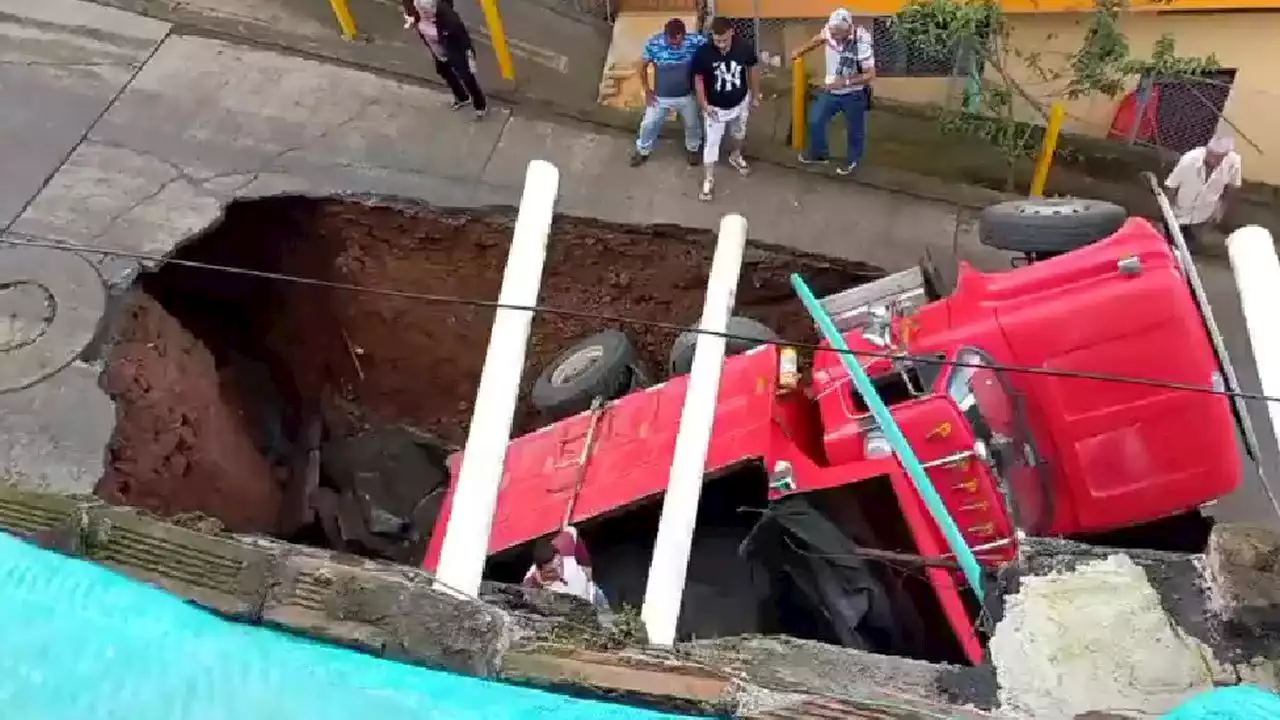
x=1171, y=625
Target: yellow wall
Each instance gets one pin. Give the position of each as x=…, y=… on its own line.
x=1245, y=42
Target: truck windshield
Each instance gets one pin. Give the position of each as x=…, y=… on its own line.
x=995, y=412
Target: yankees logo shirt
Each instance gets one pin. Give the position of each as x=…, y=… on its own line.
x=724, y=74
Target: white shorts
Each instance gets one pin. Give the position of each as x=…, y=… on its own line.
x=717, y=120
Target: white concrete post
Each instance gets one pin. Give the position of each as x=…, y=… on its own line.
x=466, y=540
x=1257, y=271
x=665, y=588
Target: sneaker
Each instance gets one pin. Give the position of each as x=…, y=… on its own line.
x=695, y=158
x=708, y=187
x=806, y=160
x=847, y=168
x=459, y=104
x=638, y=159
x=481, y=114
x=739, y=163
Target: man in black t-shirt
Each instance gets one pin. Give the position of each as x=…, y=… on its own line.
x=727, y=82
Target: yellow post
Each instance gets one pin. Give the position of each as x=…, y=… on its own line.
x=499, y=37
x=799, y=103
x=1051, y=131
x=345, y=18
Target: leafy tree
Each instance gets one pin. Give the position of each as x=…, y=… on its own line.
x=975, y=33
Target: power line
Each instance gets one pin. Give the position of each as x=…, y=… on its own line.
x=26, y=240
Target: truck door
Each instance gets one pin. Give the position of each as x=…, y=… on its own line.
x=1004, y=441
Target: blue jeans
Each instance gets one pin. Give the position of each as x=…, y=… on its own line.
x=854, y=107
x=655, y=114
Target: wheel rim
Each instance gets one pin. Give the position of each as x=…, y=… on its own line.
x=1040, y=208
x=576, y=365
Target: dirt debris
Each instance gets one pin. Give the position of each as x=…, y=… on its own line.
x=179, y=446
x=377, y=359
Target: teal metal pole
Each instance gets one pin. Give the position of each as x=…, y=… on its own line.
x=893, y=433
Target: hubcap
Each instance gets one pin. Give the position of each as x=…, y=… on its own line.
x=576, y=365
x=1051, y=207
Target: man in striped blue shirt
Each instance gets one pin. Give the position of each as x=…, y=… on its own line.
x=670, y=52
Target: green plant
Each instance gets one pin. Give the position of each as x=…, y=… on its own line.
x=976, y=34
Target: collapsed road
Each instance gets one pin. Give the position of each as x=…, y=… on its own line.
x=221, y=381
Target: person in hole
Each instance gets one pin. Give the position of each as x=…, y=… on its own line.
x=561, y=564
x=726, y=80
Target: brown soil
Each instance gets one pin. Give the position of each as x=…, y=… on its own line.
x=362, y=357
x=178, y=446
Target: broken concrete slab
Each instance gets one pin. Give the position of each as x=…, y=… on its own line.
x=1242, y=566
x=1095, y=637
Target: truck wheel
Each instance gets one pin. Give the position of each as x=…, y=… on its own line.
x=1049, y=225
x=600, y=365
x=682, y=349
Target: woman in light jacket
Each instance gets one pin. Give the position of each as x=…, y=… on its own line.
x=446, y=37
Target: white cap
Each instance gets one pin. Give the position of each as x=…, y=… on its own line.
x=1221, y=145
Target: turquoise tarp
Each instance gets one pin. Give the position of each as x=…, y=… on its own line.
x=1239, y=702
x=78, y=641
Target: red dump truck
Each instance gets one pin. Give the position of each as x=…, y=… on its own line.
x=812, y=527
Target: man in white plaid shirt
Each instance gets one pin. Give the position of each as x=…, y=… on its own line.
x=846, y=89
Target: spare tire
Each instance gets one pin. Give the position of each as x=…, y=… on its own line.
x=1049, y=225
x=749, y=333
x=601, y=366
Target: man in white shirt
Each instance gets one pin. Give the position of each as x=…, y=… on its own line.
x=1202, y=181
x=846, y=88
x=561, y=564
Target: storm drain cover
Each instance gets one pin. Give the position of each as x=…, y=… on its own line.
x=50, y=304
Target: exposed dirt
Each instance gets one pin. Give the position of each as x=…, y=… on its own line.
x=193, y=438
x=179, y=446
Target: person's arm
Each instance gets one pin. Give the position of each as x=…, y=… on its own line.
x=865, y=50
x=1235, y=179
x=570, y=544
x=812, y=43
x=1179, y=171
x=531, y=579
x=753, y=78
x=642, y=68
x=699, y=82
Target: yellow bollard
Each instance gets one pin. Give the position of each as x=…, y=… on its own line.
x=499, y=37
x=1051, y=131
x=799, y=103
x=345, y=18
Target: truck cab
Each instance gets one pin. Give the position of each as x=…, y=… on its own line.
x=1006, y=388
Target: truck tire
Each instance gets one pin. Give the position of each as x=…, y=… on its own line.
x=1048, y=225
x=602, y=365
x=682, y=349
